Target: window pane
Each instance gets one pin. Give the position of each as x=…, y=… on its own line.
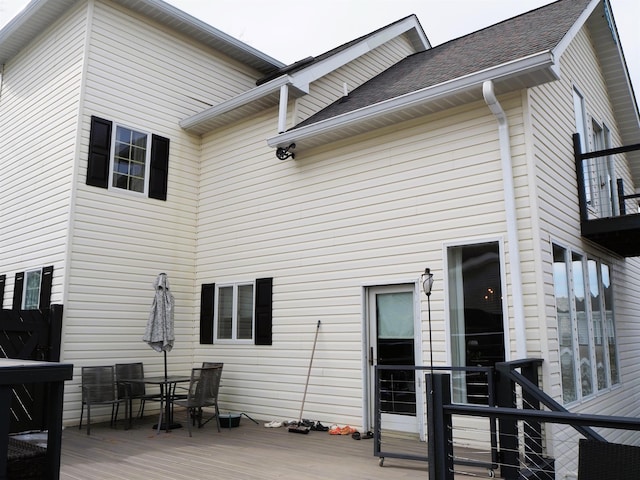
x=225, y=312
x=245, y=312
x=123, y=135
x=395, y=315
x=584, y=337
x=609, y=324
x=596, y=318
x=32, y=290
x=129, y=161
x=565, y=331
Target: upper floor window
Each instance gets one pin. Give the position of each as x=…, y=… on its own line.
x=131, y=159
x=586, y=327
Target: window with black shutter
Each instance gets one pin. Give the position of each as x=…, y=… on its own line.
x=32, y=289
x=121, y=157
x=237, y=312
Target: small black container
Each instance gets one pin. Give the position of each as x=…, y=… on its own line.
x=230, y=420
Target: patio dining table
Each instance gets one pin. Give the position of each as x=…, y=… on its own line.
x=167, y=394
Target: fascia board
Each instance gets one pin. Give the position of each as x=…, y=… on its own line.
x=568, y=37
x=324, y=67
x=511, y=69
x=235, y=102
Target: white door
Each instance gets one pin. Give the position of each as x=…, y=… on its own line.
x=392, y=341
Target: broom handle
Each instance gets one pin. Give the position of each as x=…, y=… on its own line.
x=306, y=385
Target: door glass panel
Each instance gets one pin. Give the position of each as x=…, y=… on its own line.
x=475, y=310
x=394, y=313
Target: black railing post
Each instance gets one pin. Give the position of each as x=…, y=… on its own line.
x=505, y=396
x=440, y=441
x=582, y=194
x=532, y=430
x=377, y=420
x=622, y=205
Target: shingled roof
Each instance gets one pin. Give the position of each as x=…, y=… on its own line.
x=533, y=32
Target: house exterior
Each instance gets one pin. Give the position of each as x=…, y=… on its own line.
x=136, y=139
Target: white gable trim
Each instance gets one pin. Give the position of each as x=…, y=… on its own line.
x=301, y=79
x=369, y=43
x=575, y=28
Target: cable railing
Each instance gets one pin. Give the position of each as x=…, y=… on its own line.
x=477, y=418
x=395, y=390
x=521, y=422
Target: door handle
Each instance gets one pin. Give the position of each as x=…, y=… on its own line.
x=371, y=356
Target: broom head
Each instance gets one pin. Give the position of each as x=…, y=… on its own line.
x=299, y=428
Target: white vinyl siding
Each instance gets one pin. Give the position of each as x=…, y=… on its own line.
x=553, y=122
x=148, y=78
x=37, y=137
x=372, y=210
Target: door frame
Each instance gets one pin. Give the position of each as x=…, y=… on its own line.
x=368, y=370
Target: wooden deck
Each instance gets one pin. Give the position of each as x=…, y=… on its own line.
x=247, y=452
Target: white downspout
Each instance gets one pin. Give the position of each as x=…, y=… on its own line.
x=510, y=210
x=282, y=113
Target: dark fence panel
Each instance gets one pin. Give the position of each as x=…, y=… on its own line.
x=30, y=335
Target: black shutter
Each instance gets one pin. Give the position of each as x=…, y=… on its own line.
x=3, y=281
x=99, y=153
x=264, y=316
x=45, y=287
x=159, y=167
x=18, y=286
x=207, y=295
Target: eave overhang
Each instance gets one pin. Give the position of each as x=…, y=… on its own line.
x=248, y=103
x=522, y=73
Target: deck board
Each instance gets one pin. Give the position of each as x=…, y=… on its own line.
x=248, y=452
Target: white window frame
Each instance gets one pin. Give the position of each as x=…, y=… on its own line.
x=579, y=396
x=25, y=286
x=234, y=319
x=147, y=160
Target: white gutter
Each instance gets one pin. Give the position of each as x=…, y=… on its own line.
x=512, y=225
x=531, y=63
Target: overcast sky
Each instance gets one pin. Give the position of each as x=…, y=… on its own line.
x=289, y=30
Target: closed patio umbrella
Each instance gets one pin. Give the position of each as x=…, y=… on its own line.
x=159, y=333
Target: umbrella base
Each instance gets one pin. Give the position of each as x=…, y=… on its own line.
x=171, y=426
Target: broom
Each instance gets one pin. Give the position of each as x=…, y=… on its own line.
x=300, y=428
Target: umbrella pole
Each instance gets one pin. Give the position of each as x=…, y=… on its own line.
x=165, y=364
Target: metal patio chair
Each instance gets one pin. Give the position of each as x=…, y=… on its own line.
x=134, y=390
x=203, y=392
x=99, y=388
